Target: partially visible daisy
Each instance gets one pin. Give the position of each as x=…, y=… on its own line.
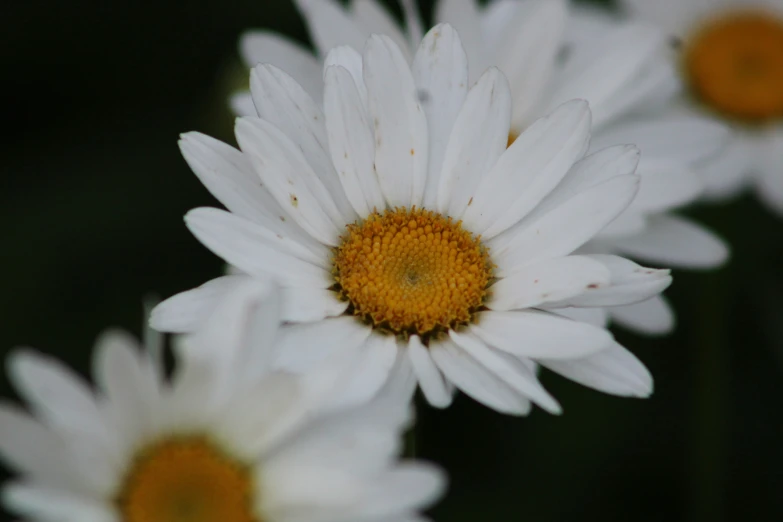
x=730, y=57
x=200, y=447
x=550, y=57
x=337, y=25
x=400, y=223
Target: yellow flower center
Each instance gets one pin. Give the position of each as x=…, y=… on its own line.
x=512, y=137
x=412, y=272
x=734, y=64
x=186, y=479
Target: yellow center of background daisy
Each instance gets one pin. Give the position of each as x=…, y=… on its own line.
x=735, y=65
x=186, y=479
x=412, y=272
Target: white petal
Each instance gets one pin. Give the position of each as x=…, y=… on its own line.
x=768, y=179
x=508, y=368
x=675, y=241
x=310, y=304
x=358, y=440
x=412, y=17
x=630, y=283
x=665, y=185
x=249, y=247
x=56, y=393
x=331, y=25
x=299, y=491
x=401, y=143
x=263, y=415
x=307, y=493
x=564, y=228
x=526, y=52
x=350, y=59
x=614, y=370
x=657, y=84
x=475, y=380
x=604, y=71
x=402, y=383
x=727, y=173
x=289, y=178
x=495, y=17
x=430, y=379
x=540, y=334
x=549, y=280
x=130, y=383
x=464, y=16
x=373, y=369
x=194, y=395
x=238, y=335
x=267, y=47
x=683, y=138
x=51, y=505
x=303, y=347
x=65, y=403
x=409, y=486
x=32, y=448
x=241, y=103
x=594, y=169
x=440, y=70
x=229, y=176
x=595, y=316
x=533, y=165
x=282, y=102
x=628, y=223
x=186, y=311
x=375, y=19
x=479, y=137
x=652, y=317
x=351, y=141
x=673, y=15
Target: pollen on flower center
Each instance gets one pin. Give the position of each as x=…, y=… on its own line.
x=734, y=64
x=412, y=272
x=186, y=479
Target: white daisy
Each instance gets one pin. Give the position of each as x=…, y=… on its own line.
x=199, y=447
x=730, y=57
x=399, y=223
x=619, y=70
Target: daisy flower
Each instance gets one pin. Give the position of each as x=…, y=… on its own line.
x=399, y=222
x=730, y=58
x=199, y=447
x=550, y=57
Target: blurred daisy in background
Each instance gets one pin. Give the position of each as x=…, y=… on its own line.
x=203, y=446
x=729, y=55
x=401, y=225
x=623, y=70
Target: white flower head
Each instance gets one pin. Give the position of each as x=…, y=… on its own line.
x=406, y=234
x=551, y=53
x=204, y=445
x=730, y=60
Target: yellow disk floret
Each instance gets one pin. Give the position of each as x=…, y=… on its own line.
x=186, y=479
x=734, y=64
x=412, y=272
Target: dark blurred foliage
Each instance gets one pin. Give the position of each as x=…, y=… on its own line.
x=94, y=190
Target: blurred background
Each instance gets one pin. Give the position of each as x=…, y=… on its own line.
x=94, y=190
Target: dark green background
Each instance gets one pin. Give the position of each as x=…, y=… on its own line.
x=93, y=193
